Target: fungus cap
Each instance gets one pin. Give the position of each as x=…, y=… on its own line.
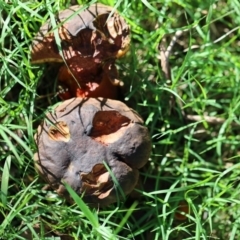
x=97, y=31
x=88, y=80
x=82, y=138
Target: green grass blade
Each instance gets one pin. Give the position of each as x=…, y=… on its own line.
x=87, y=212
x=5, y=180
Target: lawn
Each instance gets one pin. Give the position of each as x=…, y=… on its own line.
x=182, y=74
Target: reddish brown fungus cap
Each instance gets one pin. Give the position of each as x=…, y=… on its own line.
x=97, y=31
x=81, y=137
x=85, y=80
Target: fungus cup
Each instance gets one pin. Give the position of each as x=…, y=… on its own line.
x=84, y=135
x=91, y=39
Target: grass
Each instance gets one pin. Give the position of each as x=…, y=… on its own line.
x=194, y=160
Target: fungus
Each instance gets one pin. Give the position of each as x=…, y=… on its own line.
x=84, y=137
x=91, y=40
x=88, y=80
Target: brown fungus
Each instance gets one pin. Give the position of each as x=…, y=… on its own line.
x=97, y=31
x=92, y=136
x=91, y=40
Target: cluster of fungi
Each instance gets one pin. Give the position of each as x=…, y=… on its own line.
x=91, y=141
